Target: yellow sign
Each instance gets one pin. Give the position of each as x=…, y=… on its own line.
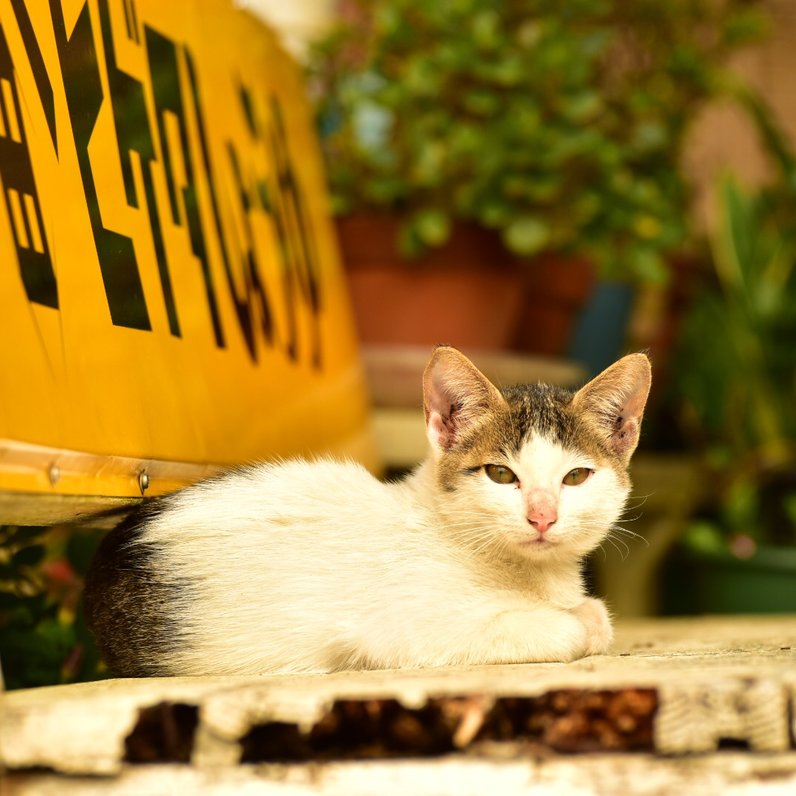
x=169, y=284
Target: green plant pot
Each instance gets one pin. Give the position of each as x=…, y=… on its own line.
x=720, y=583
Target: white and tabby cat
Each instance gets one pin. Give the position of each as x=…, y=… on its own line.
x=317, y=566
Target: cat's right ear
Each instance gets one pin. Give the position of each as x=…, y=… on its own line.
x=455, y=393
x=614, y=401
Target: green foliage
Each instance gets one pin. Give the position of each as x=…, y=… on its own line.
x=559, y=125
x=737, y=372
x=43, y=636
x=740, y=336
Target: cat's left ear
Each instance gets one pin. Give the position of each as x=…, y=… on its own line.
x=455, y=394
x=614, y=402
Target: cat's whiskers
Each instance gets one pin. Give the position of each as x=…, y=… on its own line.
x=630, y=534
x=642, y=500
x=478, y=543
x=481, y=538
x=613, y=542
x=615, y=538
x=618, y=542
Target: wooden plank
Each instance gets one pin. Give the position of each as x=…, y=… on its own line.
x=24, y=508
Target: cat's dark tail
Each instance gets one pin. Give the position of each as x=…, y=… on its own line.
x=128, y=608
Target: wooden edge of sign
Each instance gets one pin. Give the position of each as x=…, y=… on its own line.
x=44, y=486
x=41, y=485
x=17, y=508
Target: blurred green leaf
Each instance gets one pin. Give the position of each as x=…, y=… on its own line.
x=526, y=235
x=485, y=28
x=432, y=227
x=42, y=641
x=704, y=537
x=505, y=114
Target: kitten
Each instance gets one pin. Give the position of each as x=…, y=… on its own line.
x=317, y=566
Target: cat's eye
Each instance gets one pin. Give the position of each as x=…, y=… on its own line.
x=577, y=476
x=500, y=474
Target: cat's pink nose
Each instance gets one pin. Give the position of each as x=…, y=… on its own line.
x=542, y=521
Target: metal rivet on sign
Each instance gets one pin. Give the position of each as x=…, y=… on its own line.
x=143, y=482
x=54, y=474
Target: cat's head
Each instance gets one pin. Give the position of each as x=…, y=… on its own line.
x=535, y=469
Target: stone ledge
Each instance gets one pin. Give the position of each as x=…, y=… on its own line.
x=672, y=687
x=728, y=774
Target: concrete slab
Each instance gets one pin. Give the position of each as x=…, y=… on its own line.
x=728, y=774
x=670, y=687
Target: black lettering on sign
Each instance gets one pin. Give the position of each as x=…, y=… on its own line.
x=84, y=96
x=165, y=81
x=254, y=285
x=265, y=184
x=131, y=21
x=298, y=247
x=20, y=192
x=285, y=206
x=242, y=304
x=261, y=193
x=36, y=60
x=133, y=134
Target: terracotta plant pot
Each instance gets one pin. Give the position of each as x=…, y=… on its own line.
x=556, y=291
x=468, y=293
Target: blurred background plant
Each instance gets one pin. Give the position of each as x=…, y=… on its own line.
x=739, y=386
x=558, y=126
x=43, y=636
x=736, y=384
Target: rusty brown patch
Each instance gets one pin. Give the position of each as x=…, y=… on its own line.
x=567, y=721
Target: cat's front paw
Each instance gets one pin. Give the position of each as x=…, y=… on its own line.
x=597, y=621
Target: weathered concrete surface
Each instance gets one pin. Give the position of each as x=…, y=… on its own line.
x=717, y=680
x=726, y=774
